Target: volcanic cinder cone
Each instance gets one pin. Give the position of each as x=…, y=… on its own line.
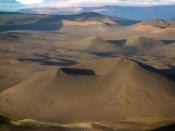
x=100, y=90
x=96, y=44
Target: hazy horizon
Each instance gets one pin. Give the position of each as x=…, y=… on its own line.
x=15, y=5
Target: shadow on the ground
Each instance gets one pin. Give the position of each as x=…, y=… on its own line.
x=119, y=43
x=45, y=59
x=105, y=54
x=169, y=72
x=168, y=41
x=74, y=71
x=166, y=128
x=51, y=23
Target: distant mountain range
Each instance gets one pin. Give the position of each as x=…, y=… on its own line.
x=55, y=22
x=127, y=12
x=139, y=12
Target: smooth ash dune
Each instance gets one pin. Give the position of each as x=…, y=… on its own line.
x=109, y=89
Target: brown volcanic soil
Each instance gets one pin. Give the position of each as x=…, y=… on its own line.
x=160, y=23
x=101, y=90
x=96, y=44
x=147, y=46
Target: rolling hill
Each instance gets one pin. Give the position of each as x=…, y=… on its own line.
x=96, y=44
x=143, y=45
x=122, y=89
x=161, y=23
x=16, y=21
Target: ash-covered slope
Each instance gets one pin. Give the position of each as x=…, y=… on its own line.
x=142, y=45
x=96, y=44
x=161, y=23
x=107, y=89
x=139, y=45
